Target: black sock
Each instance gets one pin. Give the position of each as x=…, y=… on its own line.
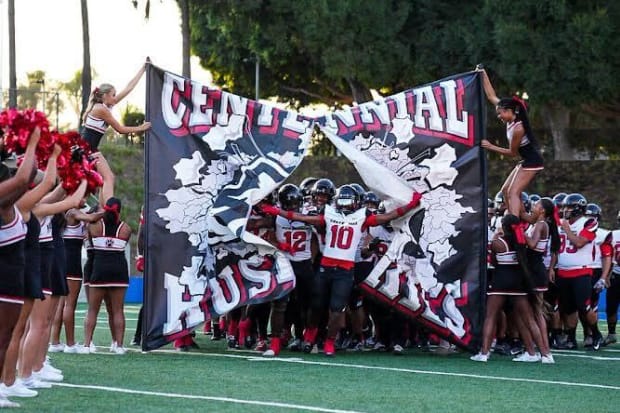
x=570, y=332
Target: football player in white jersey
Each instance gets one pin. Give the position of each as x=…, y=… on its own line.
x=294, y=238
x=613, y=289
x=344, y=225
x=601, y=265
x=574, y=274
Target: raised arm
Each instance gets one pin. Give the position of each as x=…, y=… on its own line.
x=72, y=201
x=130, y=86
x=381, y=219
x=316, y=220
x=32, y=197
x=78, y=215
x=107, y=190
x=13, y=188
x=488, y=87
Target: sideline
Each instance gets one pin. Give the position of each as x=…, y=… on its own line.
x=211, y=398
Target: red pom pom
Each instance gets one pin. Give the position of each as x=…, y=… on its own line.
x=18, y=126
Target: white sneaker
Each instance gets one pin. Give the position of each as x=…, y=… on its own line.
x=82, y=349
x=45, y=375
x=527, y=358
x=17, y=389
x=269, y=353
x=548, y=359
x=34, y=383
x=92, y=347
x=71, y=349
x=113, y=347
x=48, y=367
x=480, y=357
x=119, y=350
x=398, y=350
x=56, y=348
x=6, y=403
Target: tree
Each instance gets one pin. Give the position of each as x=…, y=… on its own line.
x=562, y=53
x=132, y=116
x=12, y=65
x=86, y=69
x=185, y=30
x=73, y=90
x=309, y=51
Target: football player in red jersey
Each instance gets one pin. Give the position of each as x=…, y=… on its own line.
x=344, y=225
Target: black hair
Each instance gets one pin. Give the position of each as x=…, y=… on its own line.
x=549, y=207
x=112, y=216
x=519, y=108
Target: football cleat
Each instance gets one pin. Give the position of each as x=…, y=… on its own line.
x=610, y=339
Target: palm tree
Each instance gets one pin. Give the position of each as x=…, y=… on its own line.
x=185, y=30
x=12, y=65
x=86, y=71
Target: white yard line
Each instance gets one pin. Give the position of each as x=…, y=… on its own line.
x=395, y=369
x=211, y=398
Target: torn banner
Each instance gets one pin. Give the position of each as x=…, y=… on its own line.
x=210, y=156
x=426, y=139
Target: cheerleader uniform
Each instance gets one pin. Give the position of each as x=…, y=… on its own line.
x=507, y=279
x=93, y=131
x=59, y=264
x=109, y=262
x=73, y=236
x=535, y=260
x=532, y=160
x=46, y=244
x=12, y=259
x=32, y=277
x=88, y=265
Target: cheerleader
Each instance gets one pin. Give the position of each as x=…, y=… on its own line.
x=511, y=280
x=73, y=236
x=32, y=279
x=110, y=275
x=98, y=115
x=34, y=347
x=12, y=242
x=521, y=142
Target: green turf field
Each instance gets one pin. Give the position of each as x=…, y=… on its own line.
x=214, y=379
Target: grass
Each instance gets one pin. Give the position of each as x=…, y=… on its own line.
x=367, y=382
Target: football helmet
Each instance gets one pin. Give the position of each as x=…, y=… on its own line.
x=290, y=197
x=306, y=186
x=347, y=199
x=372, y=199
x=574, y=205
x=324, y=187
x=593, y=210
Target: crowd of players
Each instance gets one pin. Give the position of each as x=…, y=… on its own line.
x=540, y=286
x=540, y=282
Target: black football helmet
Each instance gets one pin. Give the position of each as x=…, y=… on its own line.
x=324, y=187
x=360, y=189
x=593, y=210
x=306, y=186
x=558, y=199
x=574, y=205
x=290, y=197
x=372, y=199
x=347, y=199
x=534, y=198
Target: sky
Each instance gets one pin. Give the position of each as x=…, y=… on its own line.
x=49, y=38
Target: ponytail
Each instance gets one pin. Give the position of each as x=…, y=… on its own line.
x=519, y=107
x=96, y=96
x=550, y=219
